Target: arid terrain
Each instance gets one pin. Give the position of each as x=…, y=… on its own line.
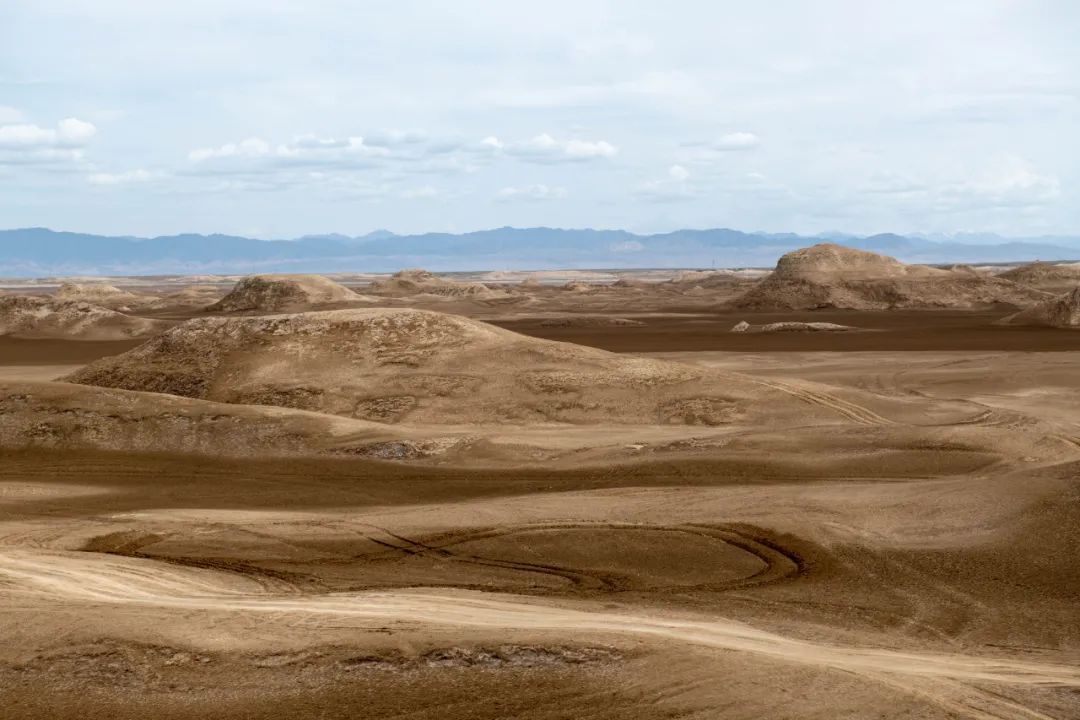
x=571, y=494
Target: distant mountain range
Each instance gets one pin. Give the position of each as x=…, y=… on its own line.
x=39, y=252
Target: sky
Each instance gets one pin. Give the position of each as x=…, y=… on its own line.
x=280, y=118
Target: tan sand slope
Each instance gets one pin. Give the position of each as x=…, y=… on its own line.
x=42, y=317
x=833, y=276
x=282, y=292
x=1063, y=311
x=421, y=282
x=390, y=365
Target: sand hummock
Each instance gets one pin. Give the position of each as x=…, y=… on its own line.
x=792, y=326
x=833, y=276
x=27, y=316
x=589, y=321
x=275, y=293
x=1041, y=274
x=108, y=296
x=392, y=365
x=1062, y=311
x=417, y=281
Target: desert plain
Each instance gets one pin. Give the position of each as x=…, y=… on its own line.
x=843, y=488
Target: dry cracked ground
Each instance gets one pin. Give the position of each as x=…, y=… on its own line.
x=305, y=518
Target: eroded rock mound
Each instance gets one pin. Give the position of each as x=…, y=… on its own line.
x=833, y=276
x=393, y=365
x=1062, y=312
x=107, y=296
x=1043, y=273
x=744, y=326
x=192, y=296
x=62, y=415
x=44, y=317
x=273, y=293
x=421, y=282
x=590, y=321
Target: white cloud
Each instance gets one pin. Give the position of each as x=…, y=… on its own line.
x=72, y=131
x=250, y=148
x=736, y=141
x=546, y=149
x=531, y=192
x=672, y=188
x=393, y=138
x=69, y=133
x=28, y=144
x=1011, y=183
x=123, y=178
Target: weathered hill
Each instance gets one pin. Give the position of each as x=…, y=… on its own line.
x=192, y=296
x=68, y=416
x=275, y=293
x=45, y=317
x=745, y=327
x=833, y=276
x=108, y=296
x=421, y=282
x=393, y=365
x=1062, y=311
x=1045, y=275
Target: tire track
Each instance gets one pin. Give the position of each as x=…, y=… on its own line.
x=851, y=411
x=107, y=579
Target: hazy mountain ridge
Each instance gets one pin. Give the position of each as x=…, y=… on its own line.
x=35, y=252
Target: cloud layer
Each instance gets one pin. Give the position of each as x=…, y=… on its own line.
x=278, y=118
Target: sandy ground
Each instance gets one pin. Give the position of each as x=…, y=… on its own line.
x=905, y=547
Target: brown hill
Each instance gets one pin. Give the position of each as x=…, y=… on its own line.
x=282, y=292
x=100, y=294
x=833, y=276
x=1062, y=311
x=391, y=365
x=67, y=416
x=1043, y=274
x=421, y=282
x=791, y=327
x=40, y=317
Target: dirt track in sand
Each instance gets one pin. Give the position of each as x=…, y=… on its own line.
x=141, y=582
